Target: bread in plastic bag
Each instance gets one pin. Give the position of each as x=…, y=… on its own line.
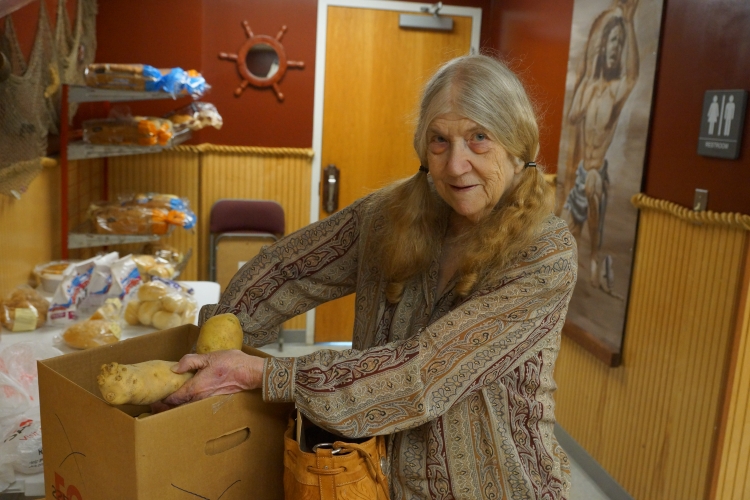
x=92, y=333
x=23, y=310
x=149, y=266
x=161, y=303
x=149, y=213
x=102, y=328
x=195, y=116
x=174, y=81
x=71, y=292
x=131, y=131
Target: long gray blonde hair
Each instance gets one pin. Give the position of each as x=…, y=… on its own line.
x=485, y=91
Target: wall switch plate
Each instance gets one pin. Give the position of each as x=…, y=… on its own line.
x=701, y=200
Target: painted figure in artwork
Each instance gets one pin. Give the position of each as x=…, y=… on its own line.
x=605, y=80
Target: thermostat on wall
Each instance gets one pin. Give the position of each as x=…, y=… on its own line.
x=721, y=123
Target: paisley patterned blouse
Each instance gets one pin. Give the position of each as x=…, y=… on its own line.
x=462, y=386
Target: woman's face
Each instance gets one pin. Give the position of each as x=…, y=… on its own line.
x=470, y=170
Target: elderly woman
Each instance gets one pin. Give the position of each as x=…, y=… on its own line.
x=463, y=279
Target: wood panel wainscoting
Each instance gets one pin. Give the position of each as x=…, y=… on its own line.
x=668, y=423
x=207, y=173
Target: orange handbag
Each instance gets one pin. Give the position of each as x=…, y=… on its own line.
x=332, y=469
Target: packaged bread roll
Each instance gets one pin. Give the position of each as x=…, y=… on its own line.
x=153, y=290
x=131, y=313
x=165, y=319
x=92, y=333
x=23, y=310
x=146, y=311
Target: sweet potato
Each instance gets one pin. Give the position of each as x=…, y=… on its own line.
x=219, y=333
x=141, y=383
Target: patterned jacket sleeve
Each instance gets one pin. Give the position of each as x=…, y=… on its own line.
x=313, y=265
x=406, y=383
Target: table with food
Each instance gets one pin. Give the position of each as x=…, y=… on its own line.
x=70, y=306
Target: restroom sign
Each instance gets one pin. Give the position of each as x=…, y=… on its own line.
x=721, y=123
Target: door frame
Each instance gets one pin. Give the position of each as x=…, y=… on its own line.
x=320, y=64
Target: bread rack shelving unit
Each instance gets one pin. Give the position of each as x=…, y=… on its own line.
x=81, y=237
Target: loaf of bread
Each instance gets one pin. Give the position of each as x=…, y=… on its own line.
x=113, y=219
x=118, y=76
x=140, y=130
x=27, y=302
x=92, y=333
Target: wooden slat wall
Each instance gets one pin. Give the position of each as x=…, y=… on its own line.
x=285, y=179
x=168, y=172
x=206, y=177
x=85, y=186
x=732, y=481
x=651, y=423
x=29, y=230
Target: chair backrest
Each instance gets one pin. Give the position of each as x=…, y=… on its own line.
x=231, y=215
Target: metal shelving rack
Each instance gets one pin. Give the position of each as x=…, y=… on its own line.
x=83, y=237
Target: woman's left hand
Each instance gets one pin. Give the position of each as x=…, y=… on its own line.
x=220, y=372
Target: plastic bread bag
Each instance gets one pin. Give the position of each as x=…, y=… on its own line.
x=175, y=81
x=70, y=293
x=135, y=131
x=125, y=277
x=161, y=303
x=100, y=283
x=178, y=82
x=122, y=76
x=149, y=266
x=20, y=437
x=102, y=328
x=195, y=116
x=170, y=207
x=113, y=218
x=150, y=213
x=92, y=333
x=49, y=275
x=23, y=310
x=161, y=250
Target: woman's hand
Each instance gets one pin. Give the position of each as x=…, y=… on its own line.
x=220, y=372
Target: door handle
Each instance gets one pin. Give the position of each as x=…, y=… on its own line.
x=331, y=188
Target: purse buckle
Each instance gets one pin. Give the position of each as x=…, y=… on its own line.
x=327, y=446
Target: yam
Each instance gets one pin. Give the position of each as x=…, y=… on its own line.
x=141, y=383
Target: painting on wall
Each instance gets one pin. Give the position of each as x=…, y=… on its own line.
x=608, y=95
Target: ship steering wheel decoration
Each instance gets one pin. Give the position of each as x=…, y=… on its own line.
x=261, y=61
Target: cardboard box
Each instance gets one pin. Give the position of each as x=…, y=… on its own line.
x=228, y=447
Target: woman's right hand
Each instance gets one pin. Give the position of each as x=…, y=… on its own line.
x=220, y=372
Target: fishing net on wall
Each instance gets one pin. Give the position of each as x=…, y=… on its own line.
x=76, y=48
x=30, y=95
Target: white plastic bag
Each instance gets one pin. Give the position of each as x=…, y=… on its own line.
x=20, y=427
